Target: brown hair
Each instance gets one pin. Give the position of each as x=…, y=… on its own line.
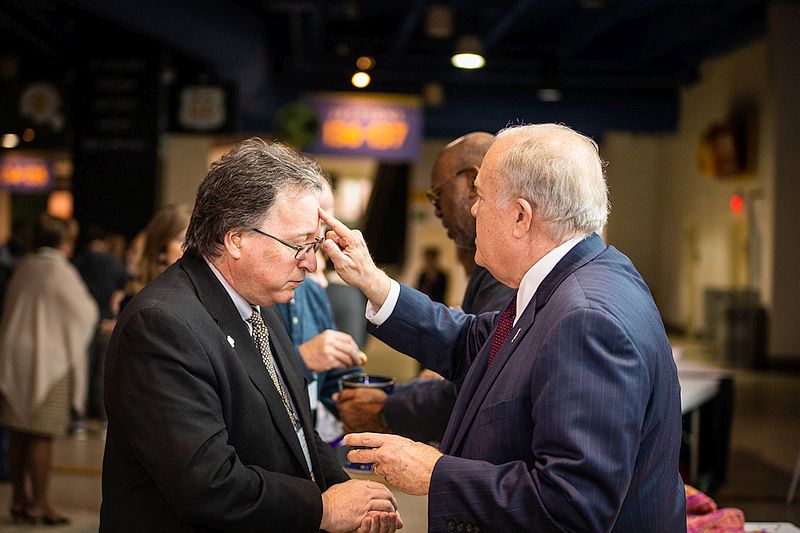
x=166, y=224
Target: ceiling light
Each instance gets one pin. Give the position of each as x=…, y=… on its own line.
x=439, y=21
x=548, y=95
x=360, y=79
x=365, y=62
x=468, y=53
x=10, y=140
x=433, y=94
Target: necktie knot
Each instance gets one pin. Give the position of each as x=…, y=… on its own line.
x=255, y=318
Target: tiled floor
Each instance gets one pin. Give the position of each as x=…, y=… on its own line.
x=765, y=442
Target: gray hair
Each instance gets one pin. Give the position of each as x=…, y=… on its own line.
x=241, y=187
x=560, y=172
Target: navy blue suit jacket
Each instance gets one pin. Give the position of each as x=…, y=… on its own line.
x=420, y=410
x=576, y=426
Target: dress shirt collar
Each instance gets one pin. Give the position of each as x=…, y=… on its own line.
x=244, y=308
x=536, y=274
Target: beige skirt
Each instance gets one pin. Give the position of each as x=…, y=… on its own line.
x=50, y=418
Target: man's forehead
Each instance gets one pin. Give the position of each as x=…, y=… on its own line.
x=296, y=211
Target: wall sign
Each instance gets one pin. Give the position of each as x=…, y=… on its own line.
x=387, y=127
x=20, y=173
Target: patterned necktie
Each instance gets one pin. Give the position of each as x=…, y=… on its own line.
x=502, y=330
x=261, y=338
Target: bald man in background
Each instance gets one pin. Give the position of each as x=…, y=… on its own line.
x=420, y=411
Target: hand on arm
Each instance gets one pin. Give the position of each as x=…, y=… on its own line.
x=405, y=464
x=350, y=255
x=355, y=505
x=360, y=410
x=330, y=349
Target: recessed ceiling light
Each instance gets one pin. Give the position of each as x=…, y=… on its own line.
x=360, y=79
x=469, y=53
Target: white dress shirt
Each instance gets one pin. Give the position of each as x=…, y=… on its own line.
x=245, y=310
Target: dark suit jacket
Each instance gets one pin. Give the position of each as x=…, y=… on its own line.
x=198, y=438
x=420, y=410
x=576, y=426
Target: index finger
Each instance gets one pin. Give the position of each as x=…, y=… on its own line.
x=338, y=227
x=371, y=440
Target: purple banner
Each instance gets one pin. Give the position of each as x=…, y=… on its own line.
x=386, y=127
x=19, y=173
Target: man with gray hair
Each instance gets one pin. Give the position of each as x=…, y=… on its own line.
x=209, y=425
x=568, y=415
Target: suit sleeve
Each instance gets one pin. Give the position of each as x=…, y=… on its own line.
x=440, y=338
x=420, y=410
x=165, y=386
x=588, y=394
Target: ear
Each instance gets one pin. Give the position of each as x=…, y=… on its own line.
x=233, y=243
x=523, y=211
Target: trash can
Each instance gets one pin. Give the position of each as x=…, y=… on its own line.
x=746, y=335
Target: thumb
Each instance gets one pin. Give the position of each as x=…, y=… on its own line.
x=335, y=253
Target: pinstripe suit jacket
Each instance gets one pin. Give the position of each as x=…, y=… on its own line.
x=576, y=425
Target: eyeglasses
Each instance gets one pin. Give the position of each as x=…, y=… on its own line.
x=434, y=193
x=301, y=250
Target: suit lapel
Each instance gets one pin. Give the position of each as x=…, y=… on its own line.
x=220, y=306
x=480, y=380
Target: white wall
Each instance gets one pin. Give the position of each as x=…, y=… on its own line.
x=676, y=223
x=185, y=165
x=784, y=41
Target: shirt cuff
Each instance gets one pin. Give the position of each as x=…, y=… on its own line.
x=379, y=316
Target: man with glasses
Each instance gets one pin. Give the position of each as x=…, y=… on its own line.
x=209, y=425
x=420, y=411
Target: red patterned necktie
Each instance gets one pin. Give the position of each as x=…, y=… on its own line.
x=502, y=330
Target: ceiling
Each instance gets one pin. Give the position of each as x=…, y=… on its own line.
x=592, y=44
x=618, y=63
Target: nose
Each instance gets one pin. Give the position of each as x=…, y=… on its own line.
x=309, y=262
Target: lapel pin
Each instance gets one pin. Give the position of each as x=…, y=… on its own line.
x=231, y=341
x=515, y=336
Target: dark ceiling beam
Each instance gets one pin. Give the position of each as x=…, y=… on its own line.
x=596, y=27
x=533, y=79
x=22, y=34
x=504, y=25
x=681, y=31
x=410, y=23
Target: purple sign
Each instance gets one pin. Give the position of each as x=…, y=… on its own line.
x=19, y=173
x=386, y=127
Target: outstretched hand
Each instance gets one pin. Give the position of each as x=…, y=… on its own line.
x=402, y=462
x=348, y=251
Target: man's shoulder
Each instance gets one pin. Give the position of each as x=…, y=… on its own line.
x=171, y=292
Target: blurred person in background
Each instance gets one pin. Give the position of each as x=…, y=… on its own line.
x=432, y=280
x=325, y=353
x=48, y=321
x=161, y=244
x=420, y=411
x=133, y=255
x=104, y=275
